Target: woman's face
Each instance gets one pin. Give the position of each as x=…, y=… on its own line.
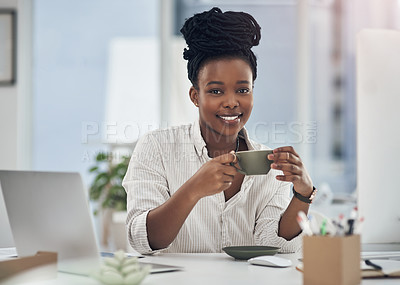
x=224, y=96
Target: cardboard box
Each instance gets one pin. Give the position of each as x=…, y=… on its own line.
x=331, y=260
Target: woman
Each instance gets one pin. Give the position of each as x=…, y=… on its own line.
x=184, y=195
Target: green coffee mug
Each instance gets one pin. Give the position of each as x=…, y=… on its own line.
x=254, y=162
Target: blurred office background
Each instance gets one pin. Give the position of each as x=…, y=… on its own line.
x=94, y=75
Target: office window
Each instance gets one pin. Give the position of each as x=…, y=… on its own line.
x=71, y=53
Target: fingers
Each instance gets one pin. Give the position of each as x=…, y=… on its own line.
x=288, y=161
x=235, y=160
x=229, y=170
x=288, y=149
x=226, y=158
x=288, y=178
x=225, y=173
x=287, y=168
x=285, y=155
x=228, y=175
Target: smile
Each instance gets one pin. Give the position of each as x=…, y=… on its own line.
x=230, y=118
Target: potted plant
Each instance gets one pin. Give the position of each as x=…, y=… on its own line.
x=107, y=189
x=107, y=184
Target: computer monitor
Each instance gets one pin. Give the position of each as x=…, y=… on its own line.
x=378, y=135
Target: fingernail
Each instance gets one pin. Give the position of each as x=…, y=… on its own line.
x=273, y=165
x=270, y=156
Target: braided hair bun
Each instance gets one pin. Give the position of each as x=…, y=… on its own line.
x=214, y=34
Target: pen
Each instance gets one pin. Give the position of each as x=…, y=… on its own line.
x=341, y=225
x=374, y=265
x=304, y=223
x=338, y=229
x=350, y=224
x=323, y=228
x=351, y=221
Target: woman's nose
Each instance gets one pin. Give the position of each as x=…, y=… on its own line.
x=230, y=101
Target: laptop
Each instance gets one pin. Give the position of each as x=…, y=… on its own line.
x=48, y=211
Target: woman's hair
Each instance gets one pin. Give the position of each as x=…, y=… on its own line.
x=214, y=35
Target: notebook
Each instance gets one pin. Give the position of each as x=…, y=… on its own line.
x=382, y=268
x=48, y=211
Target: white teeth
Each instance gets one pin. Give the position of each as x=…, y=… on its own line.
x=229, y=118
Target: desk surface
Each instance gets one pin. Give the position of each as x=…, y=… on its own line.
x=210, y=269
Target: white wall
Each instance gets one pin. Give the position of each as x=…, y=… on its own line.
x=8, y=127
x=8, y=140
x=15, y=99
x=14, y=109
x=8, y=115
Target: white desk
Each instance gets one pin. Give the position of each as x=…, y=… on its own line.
x=210, y=269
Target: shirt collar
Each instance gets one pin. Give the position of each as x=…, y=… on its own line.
x=244, y=135
x=200, y=144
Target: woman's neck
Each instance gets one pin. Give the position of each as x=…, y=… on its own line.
x=218, y=144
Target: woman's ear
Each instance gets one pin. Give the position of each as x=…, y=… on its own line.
x=194, y=96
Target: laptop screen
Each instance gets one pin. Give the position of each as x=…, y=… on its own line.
x=48, y=211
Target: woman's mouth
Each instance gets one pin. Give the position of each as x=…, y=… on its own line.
x=230, y=119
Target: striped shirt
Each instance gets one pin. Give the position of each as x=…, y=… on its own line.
x=164, y=160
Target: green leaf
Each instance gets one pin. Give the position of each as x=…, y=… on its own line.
x=106, y=204
x=95, y=193
x=102, y=157
x=117, y=192
x=102, y=178
x=121, y=170
x=93, y=169
x=107, y=183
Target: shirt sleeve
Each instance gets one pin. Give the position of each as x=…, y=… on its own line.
x=267, y=224
x=147, y=188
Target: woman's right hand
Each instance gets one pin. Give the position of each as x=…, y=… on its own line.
x=214, y=176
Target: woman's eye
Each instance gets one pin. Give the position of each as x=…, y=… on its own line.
x=244, y=90
x=215, y=91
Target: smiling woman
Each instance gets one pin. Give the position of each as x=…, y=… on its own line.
x=184, y=192
x=224, y=97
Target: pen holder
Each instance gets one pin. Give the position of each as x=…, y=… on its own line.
x=331, y=260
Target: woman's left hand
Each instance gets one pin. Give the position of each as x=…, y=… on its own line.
x=286, y=159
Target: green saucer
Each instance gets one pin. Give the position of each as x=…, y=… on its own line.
x=247, y=252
